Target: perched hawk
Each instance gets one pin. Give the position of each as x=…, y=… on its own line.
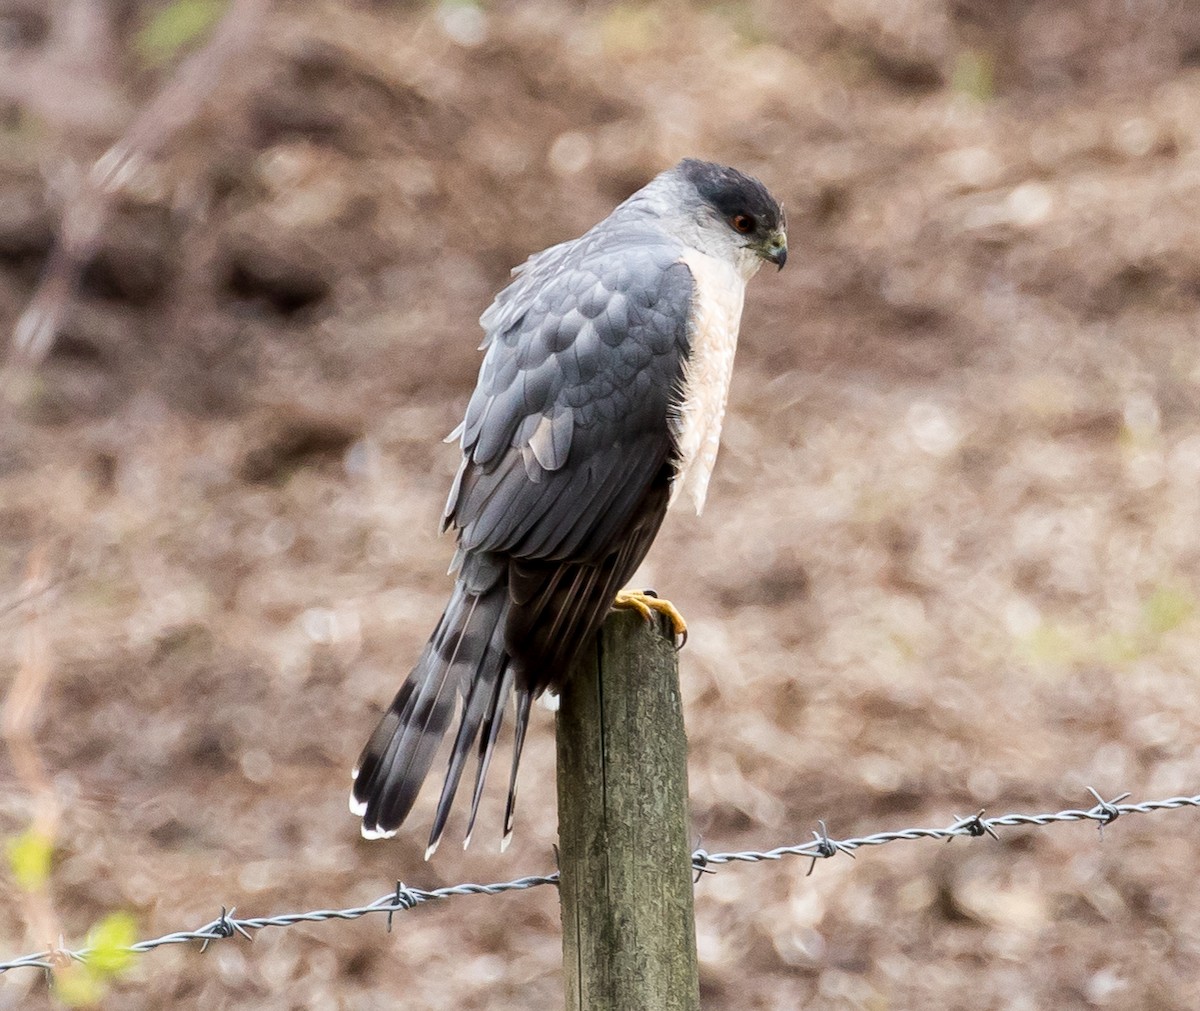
x=599, y=403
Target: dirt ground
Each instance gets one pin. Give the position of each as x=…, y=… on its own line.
x=951, y=556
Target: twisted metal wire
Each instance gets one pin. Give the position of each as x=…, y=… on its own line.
x=821, y=846
x=1105, y=812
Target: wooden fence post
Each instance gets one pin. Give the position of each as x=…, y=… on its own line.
x=629, y=930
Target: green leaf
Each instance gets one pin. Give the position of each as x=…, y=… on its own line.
x=76, y=986
x=1167, y=609
x=175, y=26
x=630, y=28
x=83, y=984
x=974, y=75
x=1120, y=647
x=1053, y=644
x=109, y=941
x=29, y=856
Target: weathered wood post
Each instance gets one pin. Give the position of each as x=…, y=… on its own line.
x=629, y=931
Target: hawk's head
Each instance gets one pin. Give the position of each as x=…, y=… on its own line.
x=739, y=204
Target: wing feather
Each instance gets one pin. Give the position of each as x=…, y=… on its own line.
x=570, y=420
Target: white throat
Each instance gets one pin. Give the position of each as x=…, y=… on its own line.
x=720, y=287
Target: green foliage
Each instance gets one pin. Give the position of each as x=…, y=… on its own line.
x=82, y=984
x=1166, y=609
x=29, y=856
x=974, y=75
x=740, y=18
x=109, y=941
x=76, y=986
x=79, y=984
x=631, y=28
x=1118, y=648
x=175, y=26
x=1052, y=644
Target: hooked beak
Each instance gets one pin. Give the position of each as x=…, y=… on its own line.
x=776, y=250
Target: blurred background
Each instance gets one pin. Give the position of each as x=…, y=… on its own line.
x=949, y=560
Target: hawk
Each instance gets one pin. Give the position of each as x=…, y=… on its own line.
x=599, y=404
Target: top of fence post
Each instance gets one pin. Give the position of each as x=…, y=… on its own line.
x=629, y=933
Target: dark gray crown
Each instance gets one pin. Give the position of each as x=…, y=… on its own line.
x=732, y=192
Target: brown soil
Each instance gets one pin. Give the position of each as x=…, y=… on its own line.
x=951, y=557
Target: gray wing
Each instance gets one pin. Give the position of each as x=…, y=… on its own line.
x=569, y=422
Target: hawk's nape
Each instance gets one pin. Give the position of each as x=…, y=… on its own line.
x=571, y=446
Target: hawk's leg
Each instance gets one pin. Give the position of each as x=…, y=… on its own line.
x=646, y=602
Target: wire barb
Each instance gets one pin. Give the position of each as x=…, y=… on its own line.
x=223, y=927
x=826, y=848
x=974, y=826
x=403, y=901
x=821, y=846
x=1106, y=811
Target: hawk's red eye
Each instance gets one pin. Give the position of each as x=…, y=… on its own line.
x=743, y=223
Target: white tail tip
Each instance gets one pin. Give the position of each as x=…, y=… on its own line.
x=374, y=832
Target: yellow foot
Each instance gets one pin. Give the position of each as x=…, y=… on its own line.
x=646, y=602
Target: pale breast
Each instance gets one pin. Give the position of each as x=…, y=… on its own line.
x=716, y=314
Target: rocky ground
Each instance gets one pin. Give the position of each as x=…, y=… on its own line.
x=950, y=558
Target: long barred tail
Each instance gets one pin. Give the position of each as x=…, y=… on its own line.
x=465, y=656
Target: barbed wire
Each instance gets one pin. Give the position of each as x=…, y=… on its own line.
x=821, y=846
